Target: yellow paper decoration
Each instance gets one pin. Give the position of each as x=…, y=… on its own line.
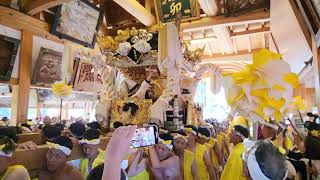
x=61, y=89
x=292, y=79
x=258, y=91
x=298, y=103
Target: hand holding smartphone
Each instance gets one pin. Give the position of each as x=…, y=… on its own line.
x=144, y=137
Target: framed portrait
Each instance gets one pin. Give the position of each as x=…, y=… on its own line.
x=310, y=9
x=48, y=68
x=8, y=52
x=142, y=116
x=78, y=21
x=236, y=7
x=166, y=10
x=89, y=77
x=44, y=95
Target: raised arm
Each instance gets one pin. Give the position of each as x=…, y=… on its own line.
x=156, y=163
x=137, y=166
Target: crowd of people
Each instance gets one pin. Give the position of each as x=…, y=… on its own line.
x=208, y=151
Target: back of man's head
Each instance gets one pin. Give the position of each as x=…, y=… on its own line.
x=10, y=132
x=51, y=131
x=271, y=162
x=94, y=125
x=77, y=130
x=91, y=134
x=63, y=141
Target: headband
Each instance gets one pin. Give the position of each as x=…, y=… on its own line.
x=64, y=149
x=164, y=131
x=202, y=136
x=168, y=143
x=254, y=168
x=2, y=153
x=180, y=136
x=191, y=131
x=238, y=133
x=269, y=125
x=91, y=142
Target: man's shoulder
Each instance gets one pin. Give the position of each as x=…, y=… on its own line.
x=72, y=172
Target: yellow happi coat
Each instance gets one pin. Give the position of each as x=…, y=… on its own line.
x=202, y=169
x=233, y=168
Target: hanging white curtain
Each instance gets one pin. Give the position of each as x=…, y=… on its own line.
x=209, y=7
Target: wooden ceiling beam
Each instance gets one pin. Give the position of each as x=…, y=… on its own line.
x=246, y=52
x=19, y=21
x=249, y=32
x=138, y=11
x=207, y=22
x=35, y=6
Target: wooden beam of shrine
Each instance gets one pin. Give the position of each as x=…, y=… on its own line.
x=138, y=11
x=219, y=55
x=36, y=6
x=25, y=66
x=262, y=16
x=249, y=32
x=17, y=20
x=36, y=159
x=13, y=81
x=316, y=64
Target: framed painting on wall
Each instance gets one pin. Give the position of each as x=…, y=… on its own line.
x=78, y=21
x=166, y=10
x=310, y=9
x=239, y=7
x=48, y=68
x=8, y=52
x=89, y=77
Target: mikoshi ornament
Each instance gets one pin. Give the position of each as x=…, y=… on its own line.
x=260, y=91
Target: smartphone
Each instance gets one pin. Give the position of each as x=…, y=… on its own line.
x=143, y=137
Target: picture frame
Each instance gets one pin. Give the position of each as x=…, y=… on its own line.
x=78, y=21
x=236, y=7
x=89, y=77
x=8, y=53
x=310, y=10
x=166, y=10
x=48, y=68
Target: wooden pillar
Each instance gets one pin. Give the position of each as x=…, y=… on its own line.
x=25, y=66
x=14, y=105
x=316, y=64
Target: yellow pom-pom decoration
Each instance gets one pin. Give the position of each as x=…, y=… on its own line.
x=61, y=89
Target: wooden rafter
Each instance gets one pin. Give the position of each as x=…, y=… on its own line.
x=35, y=6
x=227, y=21
x=138, y=11
x=19, y=21
x=248, y=32
x=233, y=54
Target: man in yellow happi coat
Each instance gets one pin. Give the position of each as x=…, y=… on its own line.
x=93, y=155
x=188, y=165
x=233, y=168
x=203, y=160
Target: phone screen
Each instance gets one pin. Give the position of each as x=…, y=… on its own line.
x=146, y=136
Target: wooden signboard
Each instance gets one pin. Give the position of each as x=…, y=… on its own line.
x=167, y=9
